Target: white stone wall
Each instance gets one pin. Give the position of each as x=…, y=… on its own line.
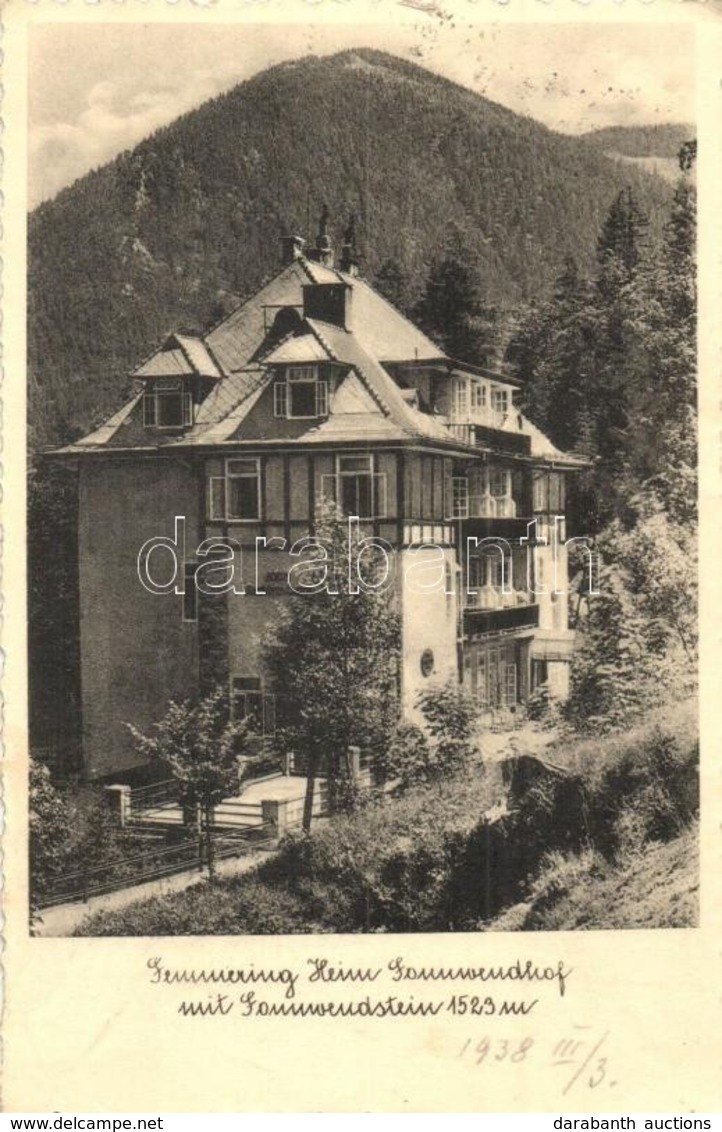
x=429, y=621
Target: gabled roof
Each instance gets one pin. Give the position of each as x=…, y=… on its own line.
x=381, y=330
x=182, y=355
x=198, y=355
x=297, y=351
x=241, y=352
x=345, y=347
x=165, y=363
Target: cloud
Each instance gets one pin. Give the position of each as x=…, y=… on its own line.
x=112, y=119
x=571, y=78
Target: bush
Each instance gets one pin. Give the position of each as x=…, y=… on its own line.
x=216, y=909
x=73, y=829
x=451, y=717
x=409, y=757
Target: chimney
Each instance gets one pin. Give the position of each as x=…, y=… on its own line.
x=328, y=302
x=323, y=252
x=291, y=248
x=349, y=256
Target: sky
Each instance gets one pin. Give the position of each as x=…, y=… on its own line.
x=95, y=90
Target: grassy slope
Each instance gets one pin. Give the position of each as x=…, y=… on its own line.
x=656, y=889
x=422, y=862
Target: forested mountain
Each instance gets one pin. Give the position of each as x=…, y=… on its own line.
x=643, y=141
x=654, y=149
x=176, y=231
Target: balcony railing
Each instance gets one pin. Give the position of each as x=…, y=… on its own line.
x=479, y=506
x=489, y=435
x=502, y=618
x=493, y=597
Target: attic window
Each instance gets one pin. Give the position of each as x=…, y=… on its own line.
x=301, y=396
x=167, y=404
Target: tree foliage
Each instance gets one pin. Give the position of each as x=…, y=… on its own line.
x=451, y=716
x=609, y=365
x=334, y=657
x=202, y=749
x=639, y=632
x=452, y=309
x=609, y=362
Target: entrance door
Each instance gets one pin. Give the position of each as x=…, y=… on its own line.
x=500, y=663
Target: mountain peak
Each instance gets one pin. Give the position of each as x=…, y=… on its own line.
x=207, y=198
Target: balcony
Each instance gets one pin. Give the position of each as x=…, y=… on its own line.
x=489, y=436
x=489, y=609
x=510, y=528
x=484, y=515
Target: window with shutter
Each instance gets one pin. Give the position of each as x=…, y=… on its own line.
x=540, y=492
x=301, y=396
x=168, y=405
x=500, y=400
x=556, y=492
x=236, y=496
x=460, y=497
x=322, y=399
x=243, y=489
x=280, y=399
x=250, y=704
x=269, y=714
x=461, y=403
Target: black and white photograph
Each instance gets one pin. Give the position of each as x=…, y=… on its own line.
x=362, y=477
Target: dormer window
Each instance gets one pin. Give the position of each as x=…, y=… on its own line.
x=167, y=404
x=301, y=395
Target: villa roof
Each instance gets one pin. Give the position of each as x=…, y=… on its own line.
x=240, y=355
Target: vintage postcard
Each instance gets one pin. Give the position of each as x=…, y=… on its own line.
x=361, y=471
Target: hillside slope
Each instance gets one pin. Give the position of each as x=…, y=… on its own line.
x=663, y=140
x=656, y=888
x=177, y=230
x=651, y=148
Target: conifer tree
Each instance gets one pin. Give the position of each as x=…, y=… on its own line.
x=452, y=310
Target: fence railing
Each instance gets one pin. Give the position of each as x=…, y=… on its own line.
x=152, y=864
x=96, y=880
x=237, y=827
x=156, y=796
